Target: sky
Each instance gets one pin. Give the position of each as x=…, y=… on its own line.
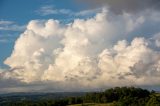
x=79, y=45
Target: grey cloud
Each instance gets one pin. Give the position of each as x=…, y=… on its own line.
x=124, y=5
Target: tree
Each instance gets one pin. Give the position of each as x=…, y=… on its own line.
x=154, y=101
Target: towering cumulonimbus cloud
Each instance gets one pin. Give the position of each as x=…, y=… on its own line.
x=84, y=54
x=118, y=6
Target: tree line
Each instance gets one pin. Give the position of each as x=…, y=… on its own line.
x=118, y=96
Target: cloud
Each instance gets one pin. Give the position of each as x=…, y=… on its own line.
x=87, y=12
x=50, y=10
x=134, y=63
x=3, y=40
x=2, y=22
x=157, y=39
x=84, y=54
x=10, y=26
x=118, y=6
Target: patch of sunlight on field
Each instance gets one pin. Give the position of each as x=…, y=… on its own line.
x=157, y=94
x=92, y=104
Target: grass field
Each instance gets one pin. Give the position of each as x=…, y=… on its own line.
x=93, y=104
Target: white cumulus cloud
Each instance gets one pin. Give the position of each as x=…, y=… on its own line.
x=84, y=54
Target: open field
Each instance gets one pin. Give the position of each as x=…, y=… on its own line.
x=157, y=94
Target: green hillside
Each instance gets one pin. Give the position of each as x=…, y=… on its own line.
x=118, y=96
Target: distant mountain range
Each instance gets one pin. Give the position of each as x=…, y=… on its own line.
x=37, y=96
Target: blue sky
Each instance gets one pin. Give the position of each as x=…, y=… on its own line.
x=74, y=45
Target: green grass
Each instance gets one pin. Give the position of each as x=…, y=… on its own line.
x=92, y=104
